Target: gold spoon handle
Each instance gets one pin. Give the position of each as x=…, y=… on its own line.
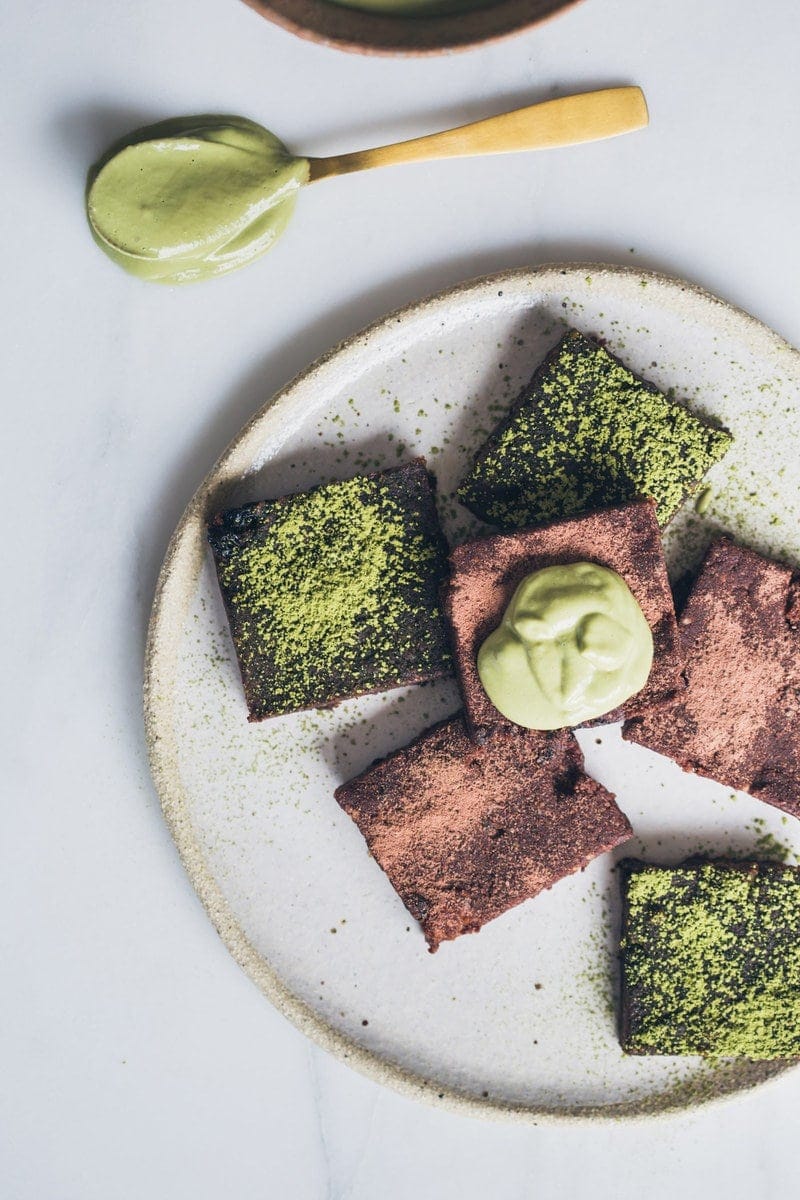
x=587, y=117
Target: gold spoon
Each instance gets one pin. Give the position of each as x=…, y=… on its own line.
x=587, y=117
x=199, y=196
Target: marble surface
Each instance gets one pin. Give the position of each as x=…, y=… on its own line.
x=137, y=1059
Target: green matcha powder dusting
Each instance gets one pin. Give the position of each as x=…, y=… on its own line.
x=334, y=592
x=712, y=960
x=589, y=434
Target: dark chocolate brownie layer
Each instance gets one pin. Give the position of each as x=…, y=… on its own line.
x=485, y=574
x=738, y=718
x=587, y=433
x=466, y=832
x=334, y=592
x=710, y=959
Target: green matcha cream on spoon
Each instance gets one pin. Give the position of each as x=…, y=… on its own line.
x=193, y=197
x=573, y=644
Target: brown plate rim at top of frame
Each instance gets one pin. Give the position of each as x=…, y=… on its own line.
x=350, y=29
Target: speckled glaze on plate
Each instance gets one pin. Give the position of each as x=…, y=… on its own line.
x=517, y=1021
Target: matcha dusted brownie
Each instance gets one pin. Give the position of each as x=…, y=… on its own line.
x=587, y=433
x=334, y=592
x=466, y=832
x=737, y=720
x=710, y=958
x=486, y=572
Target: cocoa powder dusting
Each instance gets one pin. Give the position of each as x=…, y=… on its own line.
x=738, y=721
x=466, y=832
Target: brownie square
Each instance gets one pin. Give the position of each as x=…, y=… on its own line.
x=710, y=958
x=466, y=832
x=738, y=718
x=587, y=433
x=485, y=574
x=334, y=592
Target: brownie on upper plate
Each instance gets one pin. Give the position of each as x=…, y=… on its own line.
x=587, y=433
x=465, y=832
x=485, y=574
x=738, y=718
x=334, y=592
x=710, y=959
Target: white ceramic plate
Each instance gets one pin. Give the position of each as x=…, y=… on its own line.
x=519, y=1019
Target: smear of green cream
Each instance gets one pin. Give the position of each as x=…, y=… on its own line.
x=573, y=644
x=193, y=197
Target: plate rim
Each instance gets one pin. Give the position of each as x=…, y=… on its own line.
x=358, y=31
x=178, y=573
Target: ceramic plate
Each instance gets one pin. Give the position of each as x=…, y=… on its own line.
x=519, y=1019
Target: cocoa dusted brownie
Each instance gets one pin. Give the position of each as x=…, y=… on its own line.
x=466, y=832
x=334, y=592
x=738, y=718
x=485, y=574
x=710, y=959
x=587, y=433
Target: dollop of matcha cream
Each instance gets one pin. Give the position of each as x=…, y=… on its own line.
x=573, y=644
x=193, y=197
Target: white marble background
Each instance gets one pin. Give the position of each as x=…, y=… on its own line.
x=137, y=1061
